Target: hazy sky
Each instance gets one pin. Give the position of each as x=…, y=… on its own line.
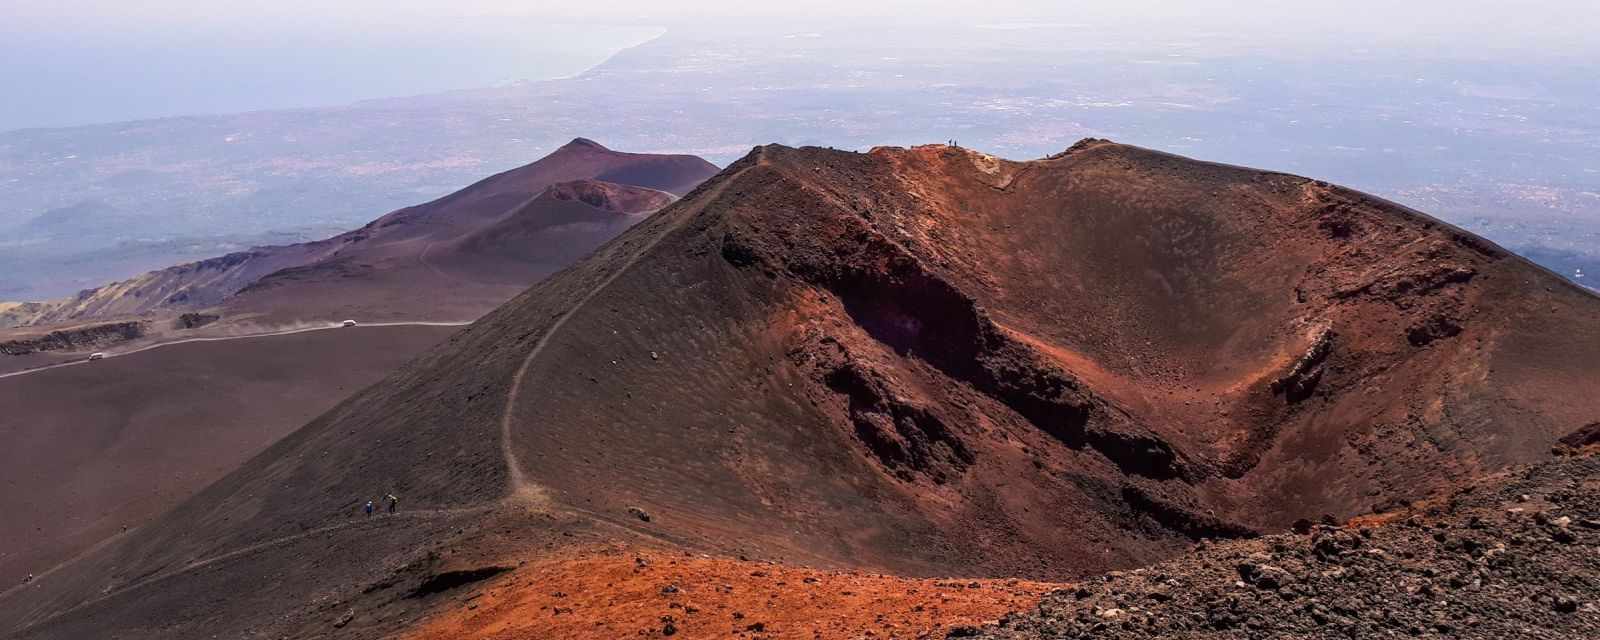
x=79, y=61
x=1531, y=24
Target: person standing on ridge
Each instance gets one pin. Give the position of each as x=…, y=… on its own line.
x=393, y=502
x=368, y=508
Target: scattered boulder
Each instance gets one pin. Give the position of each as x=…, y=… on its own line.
x=194, y=320
x=1583, y=437
x=1465, y=568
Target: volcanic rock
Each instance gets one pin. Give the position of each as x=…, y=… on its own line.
x=936, y=362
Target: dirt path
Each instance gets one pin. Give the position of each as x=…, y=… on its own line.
x=520, y=485
x=240, y=552
x=422, y=258
x=521, y=490
x=66, y=563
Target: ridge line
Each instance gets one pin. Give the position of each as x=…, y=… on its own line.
x=519, y=485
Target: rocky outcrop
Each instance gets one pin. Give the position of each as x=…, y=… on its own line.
x=609, y=196
x=75, y=339
x=1588, y=435
x=195, y=320
x=906, y=436
x=1189, y=519
x=910, y=309
x=449, y=580
x=1511, y=558
x=1301, y=379
x=1434, y=328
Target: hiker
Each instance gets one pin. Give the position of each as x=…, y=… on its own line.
x=393, y=502
x=369, y=508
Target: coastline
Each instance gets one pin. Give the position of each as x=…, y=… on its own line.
x=335, y=104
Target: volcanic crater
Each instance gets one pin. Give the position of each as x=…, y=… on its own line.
x=920, y=363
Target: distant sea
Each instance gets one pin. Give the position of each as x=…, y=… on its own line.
x=65, y=79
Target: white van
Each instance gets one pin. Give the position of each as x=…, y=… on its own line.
x=348, y=323
x=96, y=356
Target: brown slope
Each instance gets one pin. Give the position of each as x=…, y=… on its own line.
x=494, y=255
x=18, y=314
x=465, y=270
x=400, y=237
x=88, y=452
x=930, y=361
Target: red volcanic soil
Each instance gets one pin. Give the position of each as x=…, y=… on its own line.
x=925, y=362
x=404, y=265
x=97, y=448
x=615, y=592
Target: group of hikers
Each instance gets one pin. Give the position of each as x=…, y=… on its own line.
x=390, y=499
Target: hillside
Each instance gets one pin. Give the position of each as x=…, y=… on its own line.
x=96, y=448
x=399, y=246
x=164, y=424
x=926, y=362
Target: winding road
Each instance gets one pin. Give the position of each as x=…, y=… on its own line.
x=268, y=334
